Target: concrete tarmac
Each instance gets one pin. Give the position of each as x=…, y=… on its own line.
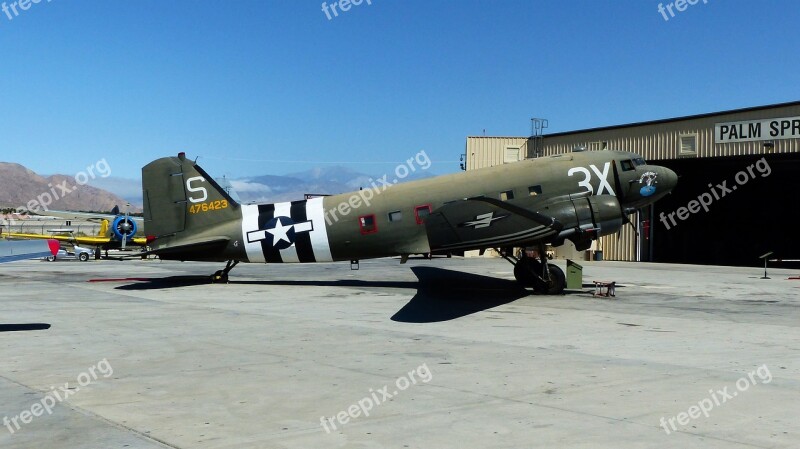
x=447, y=353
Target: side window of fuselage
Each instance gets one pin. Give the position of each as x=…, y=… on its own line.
x=368, y=224
x=395, y=216
x=422, y=212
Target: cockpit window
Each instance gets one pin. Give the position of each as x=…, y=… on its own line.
x=639, y=161
x=627, y=165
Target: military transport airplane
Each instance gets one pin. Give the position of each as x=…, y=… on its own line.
x=578, y=196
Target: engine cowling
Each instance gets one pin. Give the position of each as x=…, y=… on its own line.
x=124, y=228
x=602, y=212
x=586, y=218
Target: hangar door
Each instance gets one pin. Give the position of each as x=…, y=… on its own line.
x=753, y=207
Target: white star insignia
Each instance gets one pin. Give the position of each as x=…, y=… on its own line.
x=279, y=232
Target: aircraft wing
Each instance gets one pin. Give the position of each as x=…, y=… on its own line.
x=12, y=251
x=81, y=240
x=482, y=222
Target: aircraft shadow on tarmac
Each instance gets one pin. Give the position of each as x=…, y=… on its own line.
x=24, y=327
x=188, y=281
x=442, y=295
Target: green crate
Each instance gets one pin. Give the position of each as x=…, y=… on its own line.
x=574, y=275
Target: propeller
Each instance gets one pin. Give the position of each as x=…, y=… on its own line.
x=626, y=220
x=622, y=211
x=124, y=228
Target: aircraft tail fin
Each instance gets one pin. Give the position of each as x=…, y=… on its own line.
x=180, y=196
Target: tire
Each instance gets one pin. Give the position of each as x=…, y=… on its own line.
x=83, y=257
x=557, y=280
x=526, y=271
x=219, y=277
x=51, y=258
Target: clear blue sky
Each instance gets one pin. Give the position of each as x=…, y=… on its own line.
x=131, y=81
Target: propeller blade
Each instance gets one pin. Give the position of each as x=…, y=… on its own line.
x=626, y=220
x=635, y=232
x=127, y=229
x=617, y=183
x=618, y=187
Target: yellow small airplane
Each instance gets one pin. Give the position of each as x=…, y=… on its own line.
x=116, y=231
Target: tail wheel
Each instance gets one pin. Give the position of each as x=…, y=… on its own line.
x=219, y=277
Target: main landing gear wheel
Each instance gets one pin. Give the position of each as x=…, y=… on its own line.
x=543, y=277
x=526, y=271
x=555, y=284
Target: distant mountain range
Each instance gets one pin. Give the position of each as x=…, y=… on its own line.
x=20, y=186
x=326, y=181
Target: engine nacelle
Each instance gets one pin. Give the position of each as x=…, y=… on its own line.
x=586, y=218
x=602, y=212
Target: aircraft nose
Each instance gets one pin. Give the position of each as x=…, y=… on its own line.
x=667, y=178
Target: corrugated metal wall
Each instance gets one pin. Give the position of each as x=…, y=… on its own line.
x=654, y=141
x=661, y=145
x=622, y=247
x=490, y=151
x=659, y=141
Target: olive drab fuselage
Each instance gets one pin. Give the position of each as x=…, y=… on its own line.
x=577, y=196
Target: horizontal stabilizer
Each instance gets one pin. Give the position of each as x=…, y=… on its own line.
x=189, y=248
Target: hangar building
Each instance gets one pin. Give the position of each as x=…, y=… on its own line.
x=746, y=160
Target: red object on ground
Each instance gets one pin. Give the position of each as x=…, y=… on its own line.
x=54, y=246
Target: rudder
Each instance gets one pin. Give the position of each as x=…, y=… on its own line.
x=180, y=196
